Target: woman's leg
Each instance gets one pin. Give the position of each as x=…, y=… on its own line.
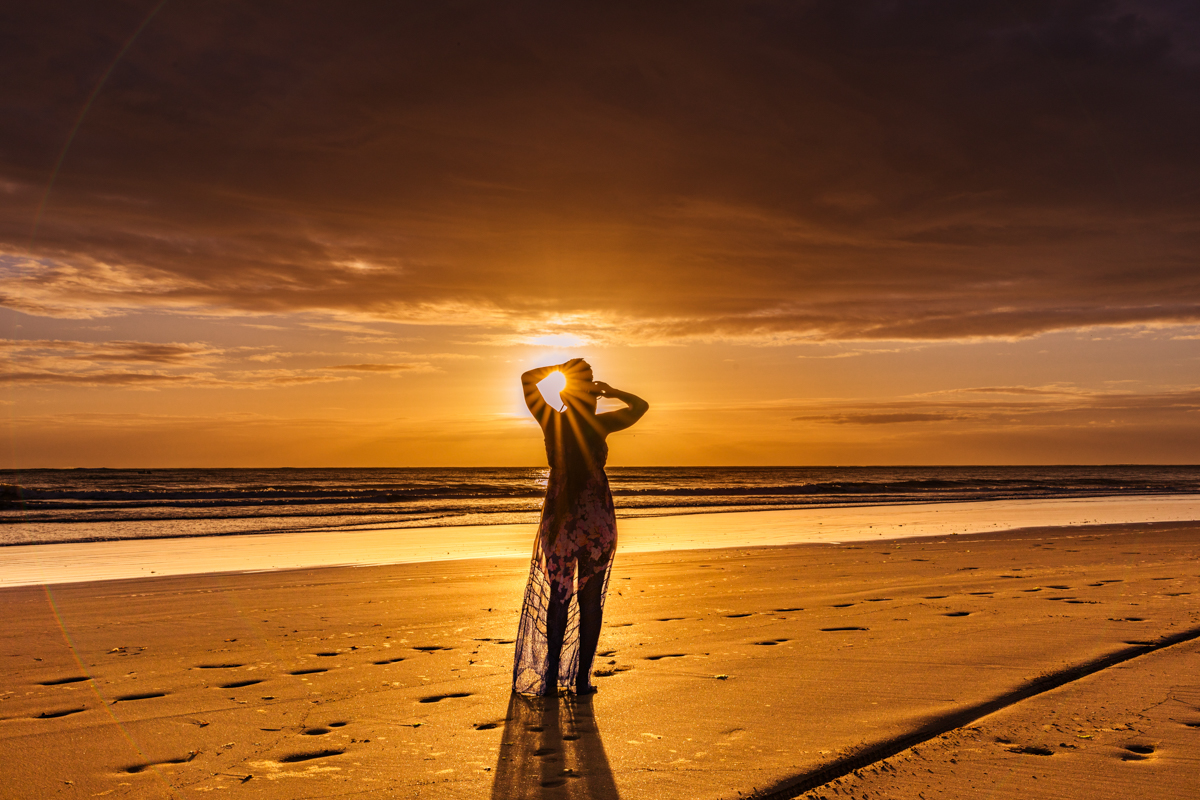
x=556, y=629
x=591, y=609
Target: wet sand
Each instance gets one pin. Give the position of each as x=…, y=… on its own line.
x=28, y=565
x=725, y=673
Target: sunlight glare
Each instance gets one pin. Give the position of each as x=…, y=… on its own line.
x=550, y=386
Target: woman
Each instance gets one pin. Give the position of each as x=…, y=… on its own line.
x=564, y=600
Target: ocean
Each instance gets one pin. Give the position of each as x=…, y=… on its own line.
x=76, y=505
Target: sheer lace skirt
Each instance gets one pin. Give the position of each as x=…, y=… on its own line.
x=574, y=547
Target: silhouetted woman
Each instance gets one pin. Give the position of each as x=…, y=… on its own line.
x=576, y=539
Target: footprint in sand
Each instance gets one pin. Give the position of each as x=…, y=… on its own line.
x=56, y=714
x=1060, y=587
x=218, y=666
x=604, y=673
x=315, y=732
x=430, y=648
x=669, y=619
x=61, y=681
x=142, y=696
x=1031, y=750
x=437, y=698
x=842, y=605
x=957, y=614
x=847, y=628
x=240, y=684
x=1137, y=752
x=665, y=655
x=487, y=726
x=936, y=597
x=787, y=610
x=313, y=671
x=136, y=768
x=327, y=655
x=878, y=599
x=390, y=660
x=298, y=757
x=771, y=642
x=738, y=616
x=338, y=724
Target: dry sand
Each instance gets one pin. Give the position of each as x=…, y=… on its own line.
x=725, y=673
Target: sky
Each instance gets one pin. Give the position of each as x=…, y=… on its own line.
x=808, y=232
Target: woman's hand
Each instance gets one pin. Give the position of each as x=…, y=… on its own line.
x=619, y=420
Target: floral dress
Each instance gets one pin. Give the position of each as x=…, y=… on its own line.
x=575, y=543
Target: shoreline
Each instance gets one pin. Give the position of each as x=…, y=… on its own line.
x=446, y=521
x=75, y=562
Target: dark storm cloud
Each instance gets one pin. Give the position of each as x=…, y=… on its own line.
x=921, y=170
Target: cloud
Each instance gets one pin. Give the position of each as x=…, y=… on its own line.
x=1051, y=407
x=1044, y=391
x=121, y=351
x=881, y=419
x=96, y=378
x=160, y=380
x=32, y=362
x=753, y=173
x=382, y=367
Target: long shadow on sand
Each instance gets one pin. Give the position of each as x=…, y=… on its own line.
x=552, y=749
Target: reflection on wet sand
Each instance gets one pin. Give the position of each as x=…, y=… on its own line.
x=552, y=749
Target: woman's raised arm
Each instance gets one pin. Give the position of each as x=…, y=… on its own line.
x=533, y=395
x=622, y=418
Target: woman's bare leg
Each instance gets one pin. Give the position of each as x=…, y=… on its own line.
x=556, y=629
x=590, y=619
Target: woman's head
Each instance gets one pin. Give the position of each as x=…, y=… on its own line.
x=580, y=391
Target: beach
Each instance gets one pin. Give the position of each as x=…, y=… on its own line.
x=1027, y=662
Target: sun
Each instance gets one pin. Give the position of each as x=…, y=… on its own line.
x=550, y=386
